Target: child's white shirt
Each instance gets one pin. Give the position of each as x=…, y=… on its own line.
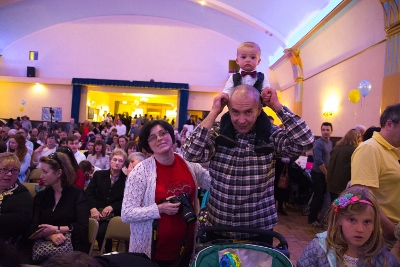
x=245, y=80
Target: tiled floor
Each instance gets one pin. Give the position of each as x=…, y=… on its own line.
x=296, y=231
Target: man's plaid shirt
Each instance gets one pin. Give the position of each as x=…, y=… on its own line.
x=242, y=188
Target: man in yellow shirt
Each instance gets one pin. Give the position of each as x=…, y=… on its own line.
x=376, y=164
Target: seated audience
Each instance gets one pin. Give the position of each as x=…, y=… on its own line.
x=98, y=158
x=34, y=132
x=80, y=176
x=33, y=140
x=89, y=146
x=131, y=147
x=133, y=159
x=354, y=235
x=44, y=150
x=61, y=207
x=122, y=141
x=114, y=143
x=25, y=133
x=16, y=145
x=63, y=142
x=88, y=170
x=73, y=144
x=105, y=193
x=42, y=138
x=16, y=203
x=3, y=146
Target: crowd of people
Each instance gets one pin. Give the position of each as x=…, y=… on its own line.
x=149, y=173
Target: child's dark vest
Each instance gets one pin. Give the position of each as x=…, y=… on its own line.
x=237, y=80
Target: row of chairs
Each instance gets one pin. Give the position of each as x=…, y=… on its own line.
x=116, y=229
x=33, y=176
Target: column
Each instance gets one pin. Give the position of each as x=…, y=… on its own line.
x=391, y=79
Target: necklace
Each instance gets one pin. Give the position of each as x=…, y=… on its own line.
x=10, y=191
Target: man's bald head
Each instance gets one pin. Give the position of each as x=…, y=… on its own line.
x=245, y=91
x=244, y=107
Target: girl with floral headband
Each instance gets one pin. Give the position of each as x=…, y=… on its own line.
x=354, y=235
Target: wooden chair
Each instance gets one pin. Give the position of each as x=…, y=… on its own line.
x=93, y=228
x=117, y=230
x=34, y=176
x=31, y=188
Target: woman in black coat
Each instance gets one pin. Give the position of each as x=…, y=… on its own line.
x=105, y=192
x=61, y=207
x=15, y=205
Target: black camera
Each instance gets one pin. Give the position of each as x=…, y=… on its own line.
x=185, y=209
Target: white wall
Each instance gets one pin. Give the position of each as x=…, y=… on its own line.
x=36, y=97
x=125, y=48
x=359, y=26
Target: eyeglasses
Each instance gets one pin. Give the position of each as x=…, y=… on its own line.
x=153, y=137
x=6, y=170
x=118, y=160
x=54, y=156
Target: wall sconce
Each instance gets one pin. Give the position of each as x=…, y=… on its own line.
x=328, y=113
x=330, y=106
x=124, y=102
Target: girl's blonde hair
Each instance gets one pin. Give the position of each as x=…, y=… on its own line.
x=336, y=242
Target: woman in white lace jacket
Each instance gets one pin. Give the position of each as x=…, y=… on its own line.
x=150, y=186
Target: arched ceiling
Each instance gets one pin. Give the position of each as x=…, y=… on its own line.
x=273, y=24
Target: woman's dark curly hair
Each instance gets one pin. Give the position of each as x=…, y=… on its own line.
x=145, y=133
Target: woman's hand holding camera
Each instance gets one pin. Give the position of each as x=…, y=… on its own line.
x=168, y=208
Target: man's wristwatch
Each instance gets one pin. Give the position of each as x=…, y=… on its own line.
x=58, y=230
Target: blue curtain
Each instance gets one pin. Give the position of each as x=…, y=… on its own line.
x=182, y=87
x=76, y=101
x=121, y=83
x=183, y=105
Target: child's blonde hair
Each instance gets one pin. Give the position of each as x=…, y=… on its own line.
x=336, y=242
x=248, y=44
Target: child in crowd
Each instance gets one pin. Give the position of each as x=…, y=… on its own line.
x=248, y=57
x=354, y=236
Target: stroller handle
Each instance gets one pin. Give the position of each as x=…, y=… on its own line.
x=282, y=241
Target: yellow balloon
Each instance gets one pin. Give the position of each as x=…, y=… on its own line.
x=354, y=96
x=21, y=108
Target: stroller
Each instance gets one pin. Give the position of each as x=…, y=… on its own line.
x=228, y=252
x=300, y=189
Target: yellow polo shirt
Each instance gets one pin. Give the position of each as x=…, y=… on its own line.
x=375, y=163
